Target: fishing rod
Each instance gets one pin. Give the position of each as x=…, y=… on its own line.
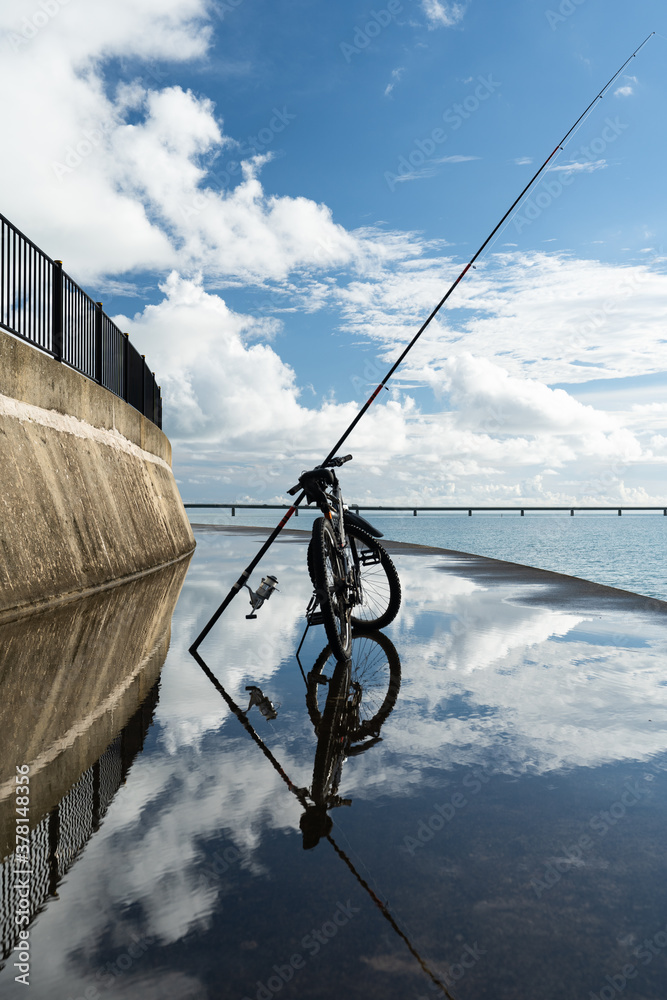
x=241, y=582
x=303, y=795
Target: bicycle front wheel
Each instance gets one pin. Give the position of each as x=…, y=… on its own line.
x=380, y=587
x=331, y=587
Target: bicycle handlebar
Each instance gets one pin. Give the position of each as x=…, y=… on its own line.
x=334, y=462
x=319, y=470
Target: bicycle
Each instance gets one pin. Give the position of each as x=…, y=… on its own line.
x=355, y=581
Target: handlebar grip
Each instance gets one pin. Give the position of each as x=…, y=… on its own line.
x=295, y=489
x=340, y=460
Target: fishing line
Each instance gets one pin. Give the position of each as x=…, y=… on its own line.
x=498, y=228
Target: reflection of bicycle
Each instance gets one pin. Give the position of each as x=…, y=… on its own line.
x=364, y=668
x=355, y=581
x=348, y=701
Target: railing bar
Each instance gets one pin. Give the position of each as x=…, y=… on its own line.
x=14, y=279
x=22, y=236
x=92, y=345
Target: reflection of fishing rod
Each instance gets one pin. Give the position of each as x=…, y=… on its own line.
x=385, y=913
x=302, y=795
x=241, y=582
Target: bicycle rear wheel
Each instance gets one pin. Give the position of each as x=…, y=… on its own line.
x=379, y=582
x=375, y=667
x=331, y=587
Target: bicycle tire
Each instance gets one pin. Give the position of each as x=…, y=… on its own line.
x=380, y=583
x=330, y=731
x=331, y=588
x=375, y=666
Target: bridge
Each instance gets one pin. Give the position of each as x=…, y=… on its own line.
x=424, y=510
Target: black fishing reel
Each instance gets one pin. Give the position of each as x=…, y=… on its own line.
x=263, y=592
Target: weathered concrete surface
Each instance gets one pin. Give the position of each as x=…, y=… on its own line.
x=87, y=495
x=71, y=677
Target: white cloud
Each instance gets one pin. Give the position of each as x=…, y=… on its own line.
x=456, y=158
x=396, y=75
x=112, y=182
x=523, y=161
x=234, y=409
x=587, y=167
x=443, y=14
x=120, y=178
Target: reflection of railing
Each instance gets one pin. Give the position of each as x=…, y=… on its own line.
x=40, y=303
x=57, y=840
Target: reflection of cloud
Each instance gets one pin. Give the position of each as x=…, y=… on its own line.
x=238, y=651
x=541, y=687
x=485, y=680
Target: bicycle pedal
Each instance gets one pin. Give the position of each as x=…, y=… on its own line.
x=315, y=618
x=368, y=557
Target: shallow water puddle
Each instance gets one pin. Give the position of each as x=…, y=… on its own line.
x=490, y=824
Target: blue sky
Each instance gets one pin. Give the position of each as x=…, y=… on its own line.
x=271, y=196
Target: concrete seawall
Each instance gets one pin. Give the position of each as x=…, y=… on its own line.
x=87, y=495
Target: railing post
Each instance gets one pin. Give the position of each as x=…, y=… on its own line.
x=98, y=342
x=126, y=367
x=57, y=307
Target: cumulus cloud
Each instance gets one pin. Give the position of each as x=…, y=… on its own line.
x=141, y=175
x=118, y=179
x=232, y=404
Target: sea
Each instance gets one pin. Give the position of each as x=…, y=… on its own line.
x=628, y=552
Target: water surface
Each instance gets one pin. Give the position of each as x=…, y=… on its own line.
x=504, y=838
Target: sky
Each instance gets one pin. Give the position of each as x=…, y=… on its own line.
x=270, y=196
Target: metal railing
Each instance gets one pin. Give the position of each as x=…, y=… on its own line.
x=40, y=303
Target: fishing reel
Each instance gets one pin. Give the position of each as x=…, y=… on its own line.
x=263, y=592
